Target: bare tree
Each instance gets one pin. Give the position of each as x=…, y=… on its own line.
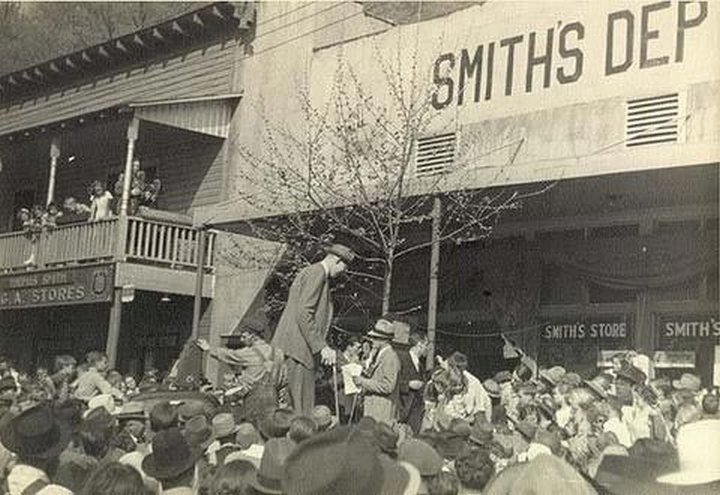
x=350, y=175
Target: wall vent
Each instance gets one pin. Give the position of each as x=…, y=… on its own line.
x=434, y=154
x=653, y=120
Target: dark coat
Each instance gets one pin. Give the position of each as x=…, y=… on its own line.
x=412, y=404
x=305, y=321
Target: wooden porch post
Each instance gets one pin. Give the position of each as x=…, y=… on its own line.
x=54, y=155
x=113, y=336
x=199, y=276
x=433, y=291
x=132, y=135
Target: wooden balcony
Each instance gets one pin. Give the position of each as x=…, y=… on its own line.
x=133, y=240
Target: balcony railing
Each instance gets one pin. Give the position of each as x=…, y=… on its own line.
x=136, y=239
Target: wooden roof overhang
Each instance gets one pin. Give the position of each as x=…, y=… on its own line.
x=206, y=25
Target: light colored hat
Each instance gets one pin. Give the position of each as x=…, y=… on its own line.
x=688, y=381
x=698, y=447
x=384, y=330
x=103, y=400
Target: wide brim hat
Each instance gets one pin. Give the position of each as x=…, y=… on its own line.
x=595, y=388
x=323, y=417
x=131, y=410
x=198, y=433
x=341, y=251
x=688, y=382
x=552, y=376
x=481, y=434
x=36, y=434
x=698, y=446
x=383, y=330
x=223, y=425
x=268, y=477
x=172, y=459
x=503, y=377
x=632, y=374
x=275, y=423
x=491, y=387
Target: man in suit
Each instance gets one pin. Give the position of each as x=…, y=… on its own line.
x=412, y=381
x=304, y=324
x=379, y=382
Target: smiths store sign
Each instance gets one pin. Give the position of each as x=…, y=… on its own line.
x=93, y=284
x=627, y=38
x=579, y=331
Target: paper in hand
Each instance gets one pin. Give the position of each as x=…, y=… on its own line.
x=348, y=372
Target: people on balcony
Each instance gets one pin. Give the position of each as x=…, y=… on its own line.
x=101, y=207
x=75, y=212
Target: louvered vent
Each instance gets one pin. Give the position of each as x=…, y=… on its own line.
x=653, y=120
x=434, y=154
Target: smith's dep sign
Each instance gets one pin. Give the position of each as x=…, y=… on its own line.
x=639, y=37
x=85, y=285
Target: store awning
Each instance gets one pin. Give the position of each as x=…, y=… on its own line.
x=209, y=115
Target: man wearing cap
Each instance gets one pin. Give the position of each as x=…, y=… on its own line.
x=379, y=382
x=304, y=323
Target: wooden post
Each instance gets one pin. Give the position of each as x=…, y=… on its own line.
x=433, y=292
x=199, y=275
x=113, y=336
x=132, y=135
x=54, y=155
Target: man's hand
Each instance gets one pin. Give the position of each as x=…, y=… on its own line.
x=203, y=344
x=328, y=356
x=415, y=384
x=358, y=380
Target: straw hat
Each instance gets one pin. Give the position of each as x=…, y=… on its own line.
x=698, y=446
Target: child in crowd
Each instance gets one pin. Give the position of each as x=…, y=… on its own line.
x=101, y=208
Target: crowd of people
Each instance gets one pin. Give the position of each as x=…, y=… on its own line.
x=101, y=204
x=80, y=428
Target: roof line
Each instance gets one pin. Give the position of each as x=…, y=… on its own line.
x=152, y=103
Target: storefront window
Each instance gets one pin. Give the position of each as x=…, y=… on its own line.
x=559, y=287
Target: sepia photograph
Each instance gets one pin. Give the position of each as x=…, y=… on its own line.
x=360, y=247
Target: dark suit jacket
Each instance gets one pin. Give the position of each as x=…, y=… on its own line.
x=411, y=408
x=305, y=321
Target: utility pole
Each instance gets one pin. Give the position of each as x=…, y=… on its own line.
x=199, y=276
x=434, y=269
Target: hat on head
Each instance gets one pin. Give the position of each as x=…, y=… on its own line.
x=386, y=438
x=632, y=374
x=482, y=433
x=595, y=388
x=572, y=379
x=246, y=435
x=399, y=477
x=131, y=410
x=35, y=433
x=698, y=446
x=223, y=425
x=190, y=409
x=276, y=422
x=383, y=330
x=421, y=455
x=491, y=387
x=198, y=433
x=98, y=419
x=103, y=400
x=171, y=456
x=527, y=388
x=323, y=418
x=268, y=477
x=341, y=251
x=502, y=376
x=688, y=381
x=544, y=474
x=553, y=375
x=350, y=465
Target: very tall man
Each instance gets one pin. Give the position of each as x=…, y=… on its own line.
x=302, y=330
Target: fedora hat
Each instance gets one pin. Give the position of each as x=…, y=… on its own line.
x=482, y=433
x=698, y=446
x=198, y=433
x=268, y=477
x=103, y=400
x=223, y=425
x=323, y=417
x=422, y=455
x=131, y=410
x=190, y=409
x=553, y=375
x=383, y=330
x=35, y=433
x=688, y=381
x=341, y=251
x=350, y=465
x=503, y=377
x=171, y=456
x=596, y=388
x=276, y=422
x=386, y=438
x=632, y=374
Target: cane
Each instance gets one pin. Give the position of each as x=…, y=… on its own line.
x=335, y=389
